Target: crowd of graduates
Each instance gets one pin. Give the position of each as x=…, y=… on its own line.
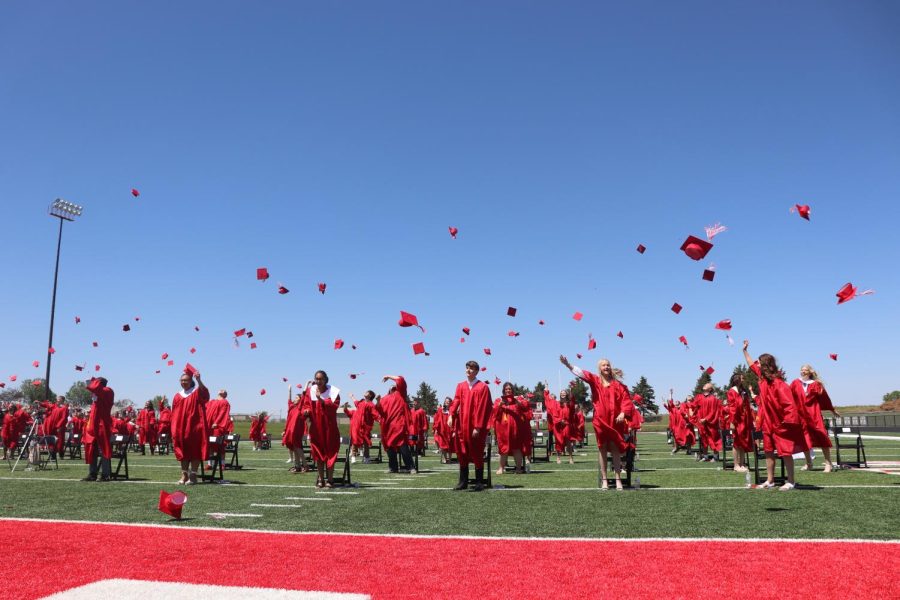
x=788, y=418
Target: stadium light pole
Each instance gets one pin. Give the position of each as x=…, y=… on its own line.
x=64, y=211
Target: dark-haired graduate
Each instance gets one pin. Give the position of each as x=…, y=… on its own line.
x=97, y=431
x=147, y=429
x=507, y=419
x=562, y=420
x=470, y=413
x=609, y=396
x=440, y=432
x=780, y=417
x=709, y=413
x=395, y=418
x=320, y=403
x=362, y=417
x=811, y=393
x=294, y=432
x=189, y=433
x=740, y=420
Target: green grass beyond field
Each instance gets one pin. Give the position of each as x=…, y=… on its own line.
x=678, y=498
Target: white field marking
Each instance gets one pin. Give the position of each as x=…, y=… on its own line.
x=425, y=536
x=278, y=505
x=130, y=588
x=338, y=493
x=223, y=515
x=308, y=499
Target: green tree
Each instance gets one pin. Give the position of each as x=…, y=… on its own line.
x=427, y=398
x=646, y=391
x=751, y=381
x=538, y=392
x=578, y=390
x=157, y=399
x=11, y=395
x=78, y=395
x=123, y=404
x=891, y=396
x=35, y=393
x=705, y=378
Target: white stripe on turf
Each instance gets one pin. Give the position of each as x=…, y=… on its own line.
x=131, y=588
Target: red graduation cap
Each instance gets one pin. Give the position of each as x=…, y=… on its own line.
x=96, y=368
x=511, y=311
x=36, y=364
x=95, y=344
x=36, y=383
x=126, y=327
x=253, y=345
x=353, y=346
x=708, y=274
x=165, y=355
x=171, y=504
x=409, y=320
x=579, y=356
x=283, y=290
x=240, y=332
x=338, y=344
x=833, y=356
x=322, y=287
x=466, y=330
x=676, y=308
x=418, y=348
x=51, y=350
x=621, y=335
x=262, y=392
x=641, y=248
x=193, y=350
x=249, y=334
x=190, y=369
x=77, y=320
x=541, y=322
x=79, y=367
x=157, y=371
x=696, y=248
x=284, y=379
x=577, y=316
x=262, y=274
x=483, y=369
x=462, y=340
x=137, y=318
x=497, y=381
x=13, y=377
x=2, y=384
x=724, y=324
x=170, y=363
x=453, y=232
x=352, y=375
x=512, y=333
x=487, y=351
x=592, y=343
x=135, y=193
x=802, y=210
x=849, y=292
x=710, y=370
x=683, y=340
x=196, y=328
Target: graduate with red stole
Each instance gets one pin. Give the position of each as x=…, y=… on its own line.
x=470, y=412
x=609, y=396
x=396, y=418
x=294, y=433
x=507, y=419
x=709, y=413
x=562, y=421
x=740, y=421
x=362, y=417
x=811, y=394
x=98, y=429
x=189, y=432
x=218, y=421
x=320, y=403
x=147, y=428
x=419, y=425
x=781, y=424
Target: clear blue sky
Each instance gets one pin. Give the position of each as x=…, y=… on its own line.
x=337, y=142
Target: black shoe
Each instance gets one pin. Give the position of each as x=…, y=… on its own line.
x=478, y=487
x=463, y=478
x=461, y=486
x=105, y=479
x=89, y=478
x=479, y=480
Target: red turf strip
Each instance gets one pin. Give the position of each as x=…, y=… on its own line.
x=53, y=557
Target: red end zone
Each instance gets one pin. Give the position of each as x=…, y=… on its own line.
x=55, y=556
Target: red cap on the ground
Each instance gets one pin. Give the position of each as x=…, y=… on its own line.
x=171, y=504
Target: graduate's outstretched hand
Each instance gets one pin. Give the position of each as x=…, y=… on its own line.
x=746, y=344
x=620, y=418
x=565, y=361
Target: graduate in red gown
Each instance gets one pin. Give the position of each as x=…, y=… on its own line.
x=814, y=399
x=147, y=427
x=507, y=419
x=258, y=429
x=440, y=431
x=8, y=432
x=320, y=403
x=740, y=421
x=396, y=418
x=294, y=433
x=218, y=422
x=609, y=396
x=780, y=418
x=98, y=429
x=419, y=426
x=579, y=423
x=709, y=413
x=55, y=421
x=562, y=420
x=77, y=427
x=525, y=434
x=470, y=413
x=362, y=417
x=189, y=432
x=164, y=422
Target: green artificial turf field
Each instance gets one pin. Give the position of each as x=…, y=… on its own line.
x=679, y=497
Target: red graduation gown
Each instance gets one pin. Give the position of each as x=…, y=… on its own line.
x=608, y=402
x=561, y=419
x=99, y=427
x=361, y=420
x=709, y=413
x=814, y=399
x=471, y=409
x=218, y=420
x=165, y=421
x=395, y=417
x=419, y=426
x=295, y=426
x=440, y=431
x=741, y=420
x=324, y=435
x=507, y=420
x=781, y=424
x=146, y=420
x=189, y=432
x=255, y=427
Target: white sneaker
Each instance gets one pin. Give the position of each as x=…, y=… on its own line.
x=413, y=472
x=786, y=487
x=352, y=459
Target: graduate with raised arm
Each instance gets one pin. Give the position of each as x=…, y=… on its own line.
x=812, y=395
x=395, y=418
x=563, y=422
x=470, y=412
x=780, y=418
x=147, y=428
x=294, y=432
x=362, y=417
x=97, y=431
x=740, y=421
x=320, y=403
x=608, y=395
x=189, y=432
x=507, y=419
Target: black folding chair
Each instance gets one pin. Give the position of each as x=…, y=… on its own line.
x=163, y=442
x=375, y=441
x=217, y=472
x=857, y=445
x=627, y=462
x=47, y=451
x=119, y=443
x=541, y=446
x=73, y=446
x=232, y=440
x=344, y=478
x=727, y=446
